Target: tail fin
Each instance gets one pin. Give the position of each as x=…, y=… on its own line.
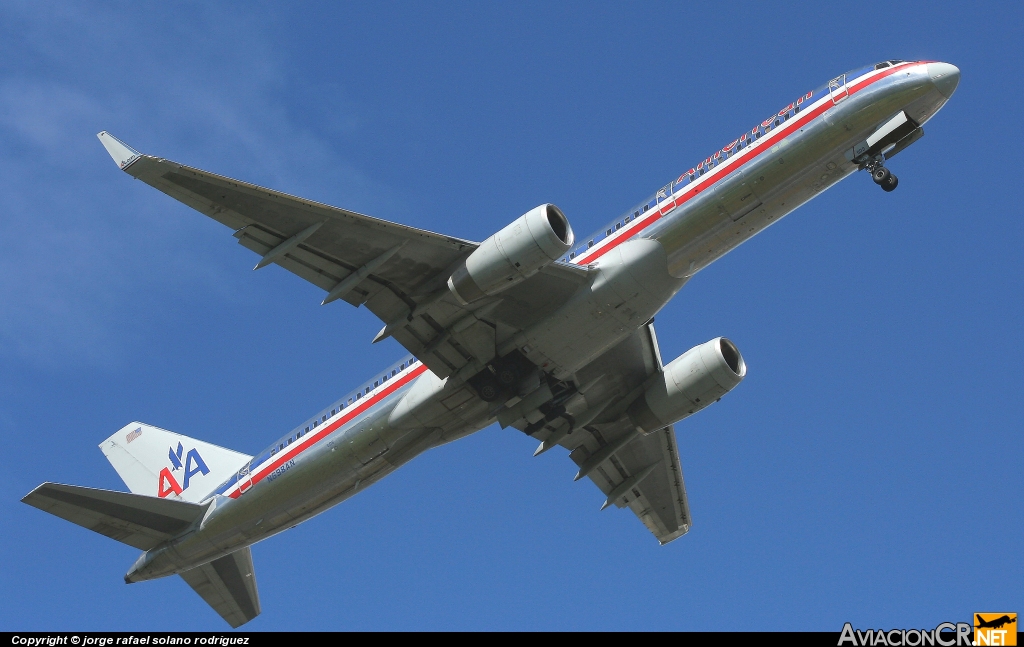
x=161, y=463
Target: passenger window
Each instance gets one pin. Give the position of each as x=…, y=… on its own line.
x=646, y=208
x=618, y=225
x=394, y=372
x=307, y=428
x=324, y=419
x=359, y=395
x=273, y=451
x=590, y=244
x=315, y=423
x=636, y=214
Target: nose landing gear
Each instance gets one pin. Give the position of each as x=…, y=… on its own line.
x=883, y=177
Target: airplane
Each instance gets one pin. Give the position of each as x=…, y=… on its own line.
x=531, y=328
x=996, y=623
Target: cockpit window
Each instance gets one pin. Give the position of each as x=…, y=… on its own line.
x=889, y=63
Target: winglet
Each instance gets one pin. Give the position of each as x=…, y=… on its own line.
x=122, y=153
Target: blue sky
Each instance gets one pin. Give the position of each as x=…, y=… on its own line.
x=867, y=470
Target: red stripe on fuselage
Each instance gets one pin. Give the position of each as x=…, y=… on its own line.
x=315, y=437
x=656, y=214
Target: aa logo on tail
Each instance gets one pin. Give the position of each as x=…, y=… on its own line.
x=193, y=464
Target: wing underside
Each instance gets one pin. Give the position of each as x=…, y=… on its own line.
x=646, y=476
x=399, y=273
x=635, y=470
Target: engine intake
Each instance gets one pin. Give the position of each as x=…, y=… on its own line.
x=689, y=383
x=515, y=253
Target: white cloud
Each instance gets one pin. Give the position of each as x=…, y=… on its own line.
x=191, y=82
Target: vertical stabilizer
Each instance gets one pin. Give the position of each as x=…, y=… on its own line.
x=161, y=463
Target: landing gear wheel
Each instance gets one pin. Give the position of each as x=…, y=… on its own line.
x=890, y=183
x=488, y=391
x=881, y=175
x=507, y=375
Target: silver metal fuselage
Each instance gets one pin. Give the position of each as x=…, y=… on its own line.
x=700, y=223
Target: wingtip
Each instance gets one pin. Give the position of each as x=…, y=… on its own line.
x=122, y=154
x=383, y=334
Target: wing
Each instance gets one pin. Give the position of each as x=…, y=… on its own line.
x=228, y=585
x=632, y=469
x=399, y=273
x=645, y=475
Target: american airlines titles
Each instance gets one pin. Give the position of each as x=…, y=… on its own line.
x=745, y=139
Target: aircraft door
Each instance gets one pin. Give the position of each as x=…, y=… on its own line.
x=838, y=89
x=664, y=197
x=245, y=478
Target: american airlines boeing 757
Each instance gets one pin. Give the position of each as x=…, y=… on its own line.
x=532, y=328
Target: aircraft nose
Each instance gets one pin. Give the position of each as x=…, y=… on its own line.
x=945, y=77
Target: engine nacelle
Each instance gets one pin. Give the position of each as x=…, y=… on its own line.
x=689, y=383
x=513, y=254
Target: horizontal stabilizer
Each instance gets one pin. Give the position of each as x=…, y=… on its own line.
x=228, y=585
x=133, y=519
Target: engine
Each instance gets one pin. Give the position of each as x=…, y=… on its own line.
x=689, y=383
x=513, y=254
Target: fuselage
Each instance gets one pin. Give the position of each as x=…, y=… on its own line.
x=639, y=262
